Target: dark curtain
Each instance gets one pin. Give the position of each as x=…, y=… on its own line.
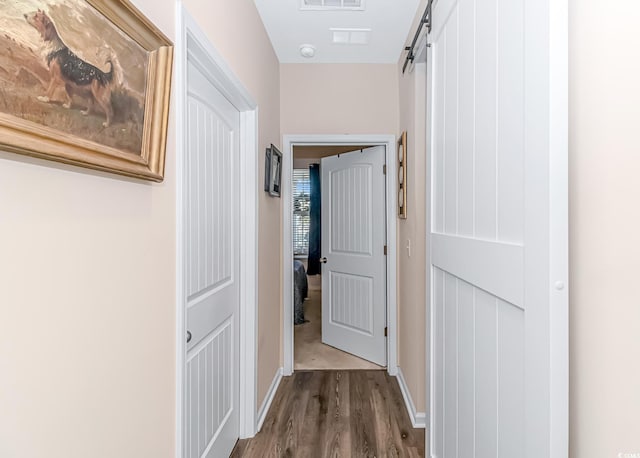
x=315, y=249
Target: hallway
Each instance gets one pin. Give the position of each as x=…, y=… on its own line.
x=99, y=269
x=358, y=413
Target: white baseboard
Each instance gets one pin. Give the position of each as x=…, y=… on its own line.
x=418, y=419
x=268, y=399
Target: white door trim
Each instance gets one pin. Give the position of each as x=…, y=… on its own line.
x=190, y=36
x=389, y=141
x=559, y=224
x=429, y=325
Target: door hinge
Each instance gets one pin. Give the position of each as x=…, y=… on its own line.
x=384, y=169
x=385, y=331
x=385, y=250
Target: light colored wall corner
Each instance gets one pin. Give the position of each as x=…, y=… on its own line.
x=418, y=418
x=268, y=399
x=412, y=289
x=87, y=303
x=338, y=98
x=87, y=306
x=604, y=161
x=238, y=34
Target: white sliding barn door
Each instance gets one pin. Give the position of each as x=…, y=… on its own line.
x=212, y=269
x=498, y=232
x=353, y=239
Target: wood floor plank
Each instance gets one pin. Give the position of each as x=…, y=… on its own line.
x=311, y=430
x=336, y=439
x=384, y=419
x=401, y=432
x=363, y=439
x=337, y=414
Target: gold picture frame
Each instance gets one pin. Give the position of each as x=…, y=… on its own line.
x=402, y=176
x=86, y=82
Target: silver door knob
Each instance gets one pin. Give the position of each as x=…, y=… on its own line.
x=323, y=260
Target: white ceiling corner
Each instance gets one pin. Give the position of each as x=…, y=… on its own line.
x=289, y=27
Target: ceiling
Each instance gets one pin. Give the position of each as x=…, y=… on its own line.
x=289, y=27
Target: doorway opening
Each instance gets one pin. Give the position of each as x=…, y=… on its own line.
x=311, y=351
x=303, y=342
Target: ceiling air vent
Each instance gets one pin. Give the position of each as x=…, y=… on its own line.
x=350, y=36
x=332, y=5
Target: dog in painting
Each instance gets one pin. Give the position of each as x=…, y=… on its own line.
x=67, y=69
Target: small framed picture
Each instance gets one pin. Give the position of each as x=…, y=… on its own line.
x=273, y=171
x=402, y=176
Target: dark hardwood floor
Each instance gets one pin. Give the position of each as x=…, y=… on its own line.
x=336, y=414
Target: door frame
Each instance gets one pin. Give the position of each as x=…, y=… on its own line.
x=191, y=42
x=389, y=142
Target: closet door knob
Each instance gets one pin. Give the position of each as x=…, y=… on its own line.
x=323, y=260
x=188, y=336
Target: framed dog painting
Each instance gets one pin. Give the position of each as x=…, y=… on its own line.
x=85, y=82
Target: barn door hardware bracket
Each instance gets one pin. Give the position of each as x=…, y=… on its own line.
x=425, y=21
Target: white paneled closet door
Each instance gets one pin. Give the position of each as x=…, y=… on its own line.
x=499, y=227
x=212, y=268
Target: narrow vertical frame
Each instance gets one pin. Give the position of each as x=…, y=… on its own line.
x=402, y=176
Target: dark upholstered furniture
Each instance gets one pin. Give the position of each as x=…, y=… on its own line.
x=300, y=291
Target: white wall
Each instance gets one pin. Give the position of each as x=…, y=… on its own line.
x=87, y=275
x=412, y=264
x=604, y=228
x=412, y=267
x=338, y=99
x=87, y=326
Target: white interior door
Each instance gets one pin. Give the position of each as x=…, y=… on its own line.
x=212, y=269
x=353, y=240
x=498, y=230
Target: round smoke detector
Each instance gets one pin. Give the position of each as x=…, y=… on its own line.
x=307, y=51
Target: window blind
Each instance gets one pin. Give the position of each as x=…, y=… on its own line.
x=301, y=203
